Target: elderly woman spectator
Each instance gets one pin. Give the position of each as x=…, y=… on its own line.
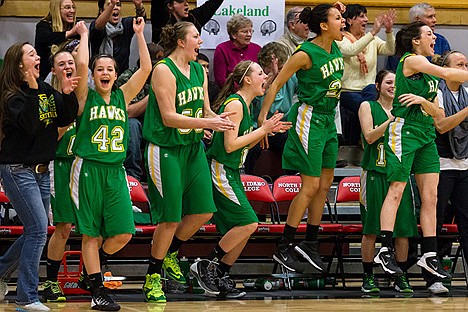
x=360, y=51
x=239, y=48
x=111, y=34
x=56, y=27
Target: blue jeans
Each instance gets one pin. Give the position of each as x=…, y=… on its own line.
x=29, y=193
x=132, y=163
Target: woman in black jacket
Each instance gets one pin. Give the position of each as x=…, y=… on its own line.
x=30, y=113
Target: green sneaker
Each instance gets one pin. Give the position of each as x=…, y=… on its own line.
x=83, y=282
x=172, y=268
x=368, y=284
x=402, y=285
x=53, y=292
x=153, y=289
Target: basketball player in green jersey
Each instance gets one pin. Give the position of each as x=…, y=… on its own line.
x=98, y=181
x=179, y=181
x=61, y=203
x=409, y=142
x=235, y=218
x=375, y=117
x=312, y=144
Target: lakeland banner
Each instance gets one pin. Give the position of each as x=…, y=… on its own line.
x=267, y=17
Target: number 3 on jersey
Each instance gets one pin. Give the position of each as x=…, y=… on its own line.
x=189, y=113
x=102, y=139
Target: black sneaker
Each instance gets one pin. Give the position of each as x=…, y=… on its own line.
x=227, y=288
x=286, y=256
x=309, y=250
x=430, y=262
x=83, y=282
x=102, y=301
x=206, y=273
x=53, y=292
x=386, y=259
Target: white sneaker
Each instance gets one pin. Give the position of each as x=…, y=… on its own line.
x=438, y=288
x=35, y=306
x=3, y=290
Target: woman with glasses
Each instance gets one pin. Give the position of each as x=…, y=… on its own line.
x=56, y=27
x=239, y=48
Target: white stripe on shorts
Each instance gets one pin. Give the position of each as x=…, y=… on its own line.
x=219, y=178
x=75, y=181
x=154, y=166
x=304, y=115
x=394, y=138
x=363, y=194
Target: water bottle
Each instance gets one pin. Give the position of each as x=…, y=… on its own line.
x=307, y=283
x=447, y=266
x=249, y=283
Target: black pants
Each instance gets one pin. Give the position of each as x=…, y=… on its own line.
x=276, y=143
x=452, y=201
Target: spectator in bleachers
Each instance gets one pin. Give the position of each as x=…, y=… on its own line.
x=410, y=146
x=239, y=48
x=296, y=31
x=98, y=181
x=164, y=12
x=179, y=182
x=360, y=51
x=426, y=13
x=213, y=88
x=56, y=27
x=111, y=34
x=375, y=117
x=451, y=141
x=271, y=58
x=31, y=112
x=62, y=205
x=312, y=144
x=235, y=218
x=136, y=110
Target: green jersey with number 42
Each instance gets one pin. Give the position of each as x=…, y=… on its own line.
x=102, y=129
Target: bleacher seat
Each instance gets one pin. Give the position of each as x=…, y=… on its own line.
x=258, y=189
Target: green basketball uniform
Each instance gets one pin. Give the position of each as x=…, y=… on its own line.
x=62, y=205
x=102, y=129
x=179, y=178
x=235, y=159
x=411, y=135
x=188, y=102
x=178, y=182
x=374, y=186
x=98, y=183
x=233, y=206
x=312, y=143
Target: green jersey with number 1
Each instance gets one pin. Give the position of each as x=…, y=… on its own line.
x=189, y=102
x=102, y=129
x=374, y=154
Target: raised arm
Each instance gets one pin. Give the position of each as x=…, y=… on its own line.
x=418, y=63
x=370, y=133
x=105, y=15
x=138, y=79
x=82, y=62
x=299, y=60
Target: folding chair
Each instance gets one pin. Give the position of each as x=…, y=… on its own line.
x=348, y=190
x=258, y=189
x=138, y=196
